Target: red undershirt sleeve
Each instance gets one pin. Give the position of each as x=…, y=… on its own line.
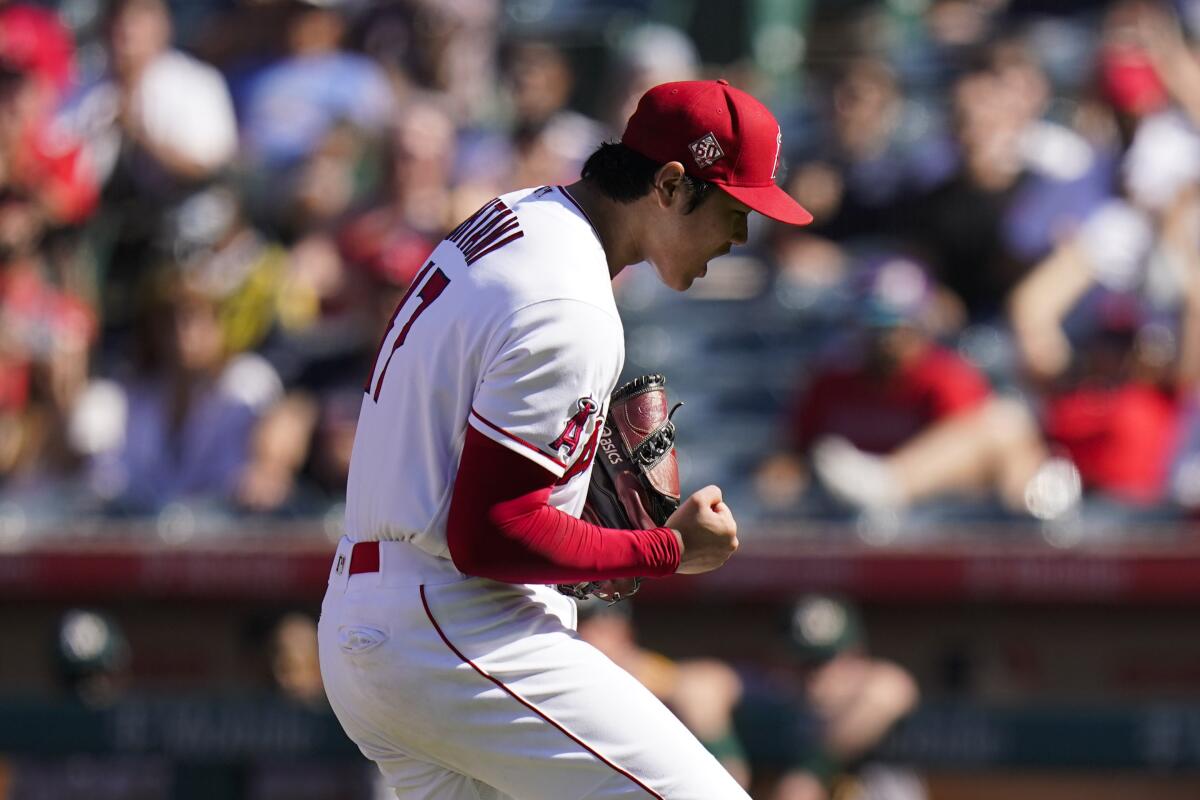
x=501, y=527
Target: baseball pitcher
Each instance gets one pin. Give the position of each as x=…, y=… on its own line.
x=447, y=653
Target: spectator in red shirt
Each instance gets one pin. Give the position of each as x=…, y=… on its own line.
x=1120, y=436
x=1113, y=397
x=45, y=334
x=36, y=157
x=898, y=418
x=878, y=399
x=1113, y=409
x=37, y=67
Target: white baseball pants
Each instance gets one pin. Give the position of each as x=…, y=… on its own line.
x=464, y=688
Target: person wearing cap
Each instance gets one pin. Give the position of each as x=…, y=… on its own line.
x=892, y=418
x=92, y=657
x=813, y=719
x=1116, y=377
x=702, y=692
x=445, y=652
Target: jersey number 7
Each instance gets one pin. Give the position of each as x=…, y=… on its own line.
x=430, y=291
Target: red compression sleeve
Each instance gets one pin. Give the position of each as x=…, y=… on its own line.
x=500, y=527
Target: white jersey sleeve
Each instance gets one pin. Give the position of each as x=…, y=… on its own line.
x=544, y=389
x=510, y=328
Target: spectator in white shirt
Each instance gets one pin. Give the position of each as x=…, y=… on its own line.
x=164, y=114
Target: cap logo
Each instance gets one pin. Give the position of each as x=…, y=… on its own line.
x=706, y=150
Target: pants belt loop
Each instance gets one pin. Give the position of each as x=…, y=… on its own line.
x=339, y=570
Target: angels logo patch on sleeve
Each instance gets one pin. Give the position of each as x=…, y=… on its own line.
x=569, y=439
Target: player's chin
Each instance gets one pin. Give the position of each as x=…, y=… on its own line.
x=680, y=277
x=687, y=279
x=677, y=281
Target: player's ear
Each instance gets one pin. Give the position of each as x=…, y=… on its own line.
x=668, y=184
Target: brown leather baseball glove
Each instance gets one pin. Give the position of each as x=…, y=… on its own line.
x=635, y=478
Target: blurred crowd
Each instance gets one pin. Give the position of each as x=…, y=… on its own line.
x=801, y=718
x=1021, y=278
x=208, y=211
x=203, y=232
x=1007, y=254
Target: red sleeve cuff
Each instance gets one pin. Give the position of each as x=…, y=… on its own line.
x=662, y=553
x=501, y=527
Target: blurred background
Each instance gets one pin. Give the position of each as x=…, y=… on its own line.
x=956, y=417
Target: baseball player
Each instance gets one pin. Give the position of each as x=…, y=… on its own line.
x=445, y=654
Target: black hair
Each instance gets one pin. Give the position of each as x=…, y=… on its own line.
x=624, y=175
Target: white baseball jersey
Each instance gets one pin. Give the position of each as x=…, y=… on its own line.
x=460, y=687
x=510, y=327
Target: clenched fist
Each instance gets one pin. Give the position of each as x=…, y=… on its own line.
x=707, y=531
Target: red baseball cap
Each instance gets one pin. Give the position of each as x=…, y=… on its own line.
x=1130, y=81
x=720, y=134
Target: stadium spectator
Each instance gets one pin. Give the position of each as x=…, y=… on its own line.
x=1096, y=320
x=291, y=105
x=1114, y=396
x=322, y=188
x=544, y=142
x=240, y=38
x=701, y=692
x=184, y=426
x=1127, y=78
x=892, y=418
x=316, y=311
x=262, y=296
x=552, y=140
x=45, y=334
x=418, y=192
x=872, y=158
x=447, y=49
x=158, y=119
x=156, y=125
x=37, y=67
x=279, y=447
x=336, y=296
x=36, y=157
x=32, y=39
x=294, y=665
x=810, y=275
x=1160, y=39
x=272, y=300
x=92, y=656
x=827, y=704
x=646, y=55
x=1020, y=181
